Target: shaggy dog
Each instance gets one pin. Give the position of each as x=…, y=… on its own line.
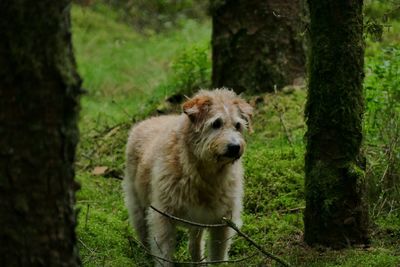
x=189, y=166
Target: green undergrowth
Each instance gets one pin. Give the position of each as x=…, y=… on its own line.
x=128, y=77
x=125, y=67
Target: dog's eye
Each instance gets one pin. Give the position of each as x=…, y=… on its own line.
x=217, y=124
x=238, y=126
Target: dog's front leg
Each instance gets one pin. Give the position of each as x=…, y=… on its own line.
x=196, y=243
x=162, y=237
x=220, y=240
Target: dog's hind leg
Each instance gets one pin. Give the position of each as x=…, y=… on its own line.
x=137, y=213
x=196, y=244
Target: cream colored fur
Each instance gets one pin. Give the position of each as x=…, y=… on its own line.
x=180, y=165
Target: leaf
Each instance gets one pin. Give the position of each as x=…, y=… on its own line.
x=99, y=170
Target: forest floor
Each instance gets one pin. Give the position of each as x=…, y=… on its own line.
x=122, y=73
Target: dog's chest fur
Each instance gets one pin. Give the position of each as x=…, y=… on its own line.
x=208, y=203
x=197, y=198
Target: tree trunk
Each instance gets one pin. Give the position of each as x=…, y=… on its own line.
x=336, y=212
x=39, y=101
x=256, y=44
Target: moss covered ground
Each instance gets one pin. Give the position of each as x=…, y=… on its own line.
x=124, y=73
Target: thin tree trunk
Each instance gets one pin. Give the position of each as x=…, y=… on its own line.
x=256, y=44
x=39, y=101
x=336, y=212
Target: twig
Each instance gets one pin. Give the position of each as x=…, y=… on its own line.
x=107, y=129
x=253, y=243
x=282, y=120
x=92, y=253
x=230, y=224
x=191, y=262
x=291, y=210
x=85, y=246
x=87, y=214
x=188, y=222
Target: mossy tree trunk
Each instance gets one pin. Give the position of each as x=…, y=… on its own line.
x=39, y=100
x=256, y=44
x=336, y=212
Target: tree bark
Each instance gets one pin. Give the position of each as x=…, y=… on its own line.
x=39, y=101
x=336, y=212
x=256, y=45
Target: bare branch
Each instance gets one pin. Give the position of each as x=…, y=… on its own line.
x=158, y=258
x=228, y=223
x=292, y=210
x=189, y=222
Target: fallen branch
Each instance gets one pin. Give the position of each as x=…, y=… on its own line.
x=107, y=129
x=291, y=210
x=230, y=224
x=191, y=262
x=188, y=222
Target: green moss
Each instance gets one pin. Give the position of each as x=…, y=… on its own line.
x=355, y=172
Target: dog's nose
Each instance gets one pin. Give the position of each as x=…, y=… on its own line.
x=233, y=150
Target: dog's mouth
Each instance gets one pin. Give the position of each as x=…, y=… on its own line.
x=224, y=158
x=230, y=154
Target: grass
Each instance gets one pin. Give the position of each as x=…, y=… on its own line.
x=121, y=66
x=125, y=75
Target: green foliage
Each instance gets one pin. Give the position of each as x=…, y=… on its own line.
x=382, y=9
x=382, y=126
x=381, y=19
x=191, y=71
x=154, y=16
x=121, y=69
x=381, y=122
x=382, y=89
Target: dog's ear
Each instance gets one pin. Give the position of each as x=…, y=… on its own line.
x=197, y=109
x=246, y=111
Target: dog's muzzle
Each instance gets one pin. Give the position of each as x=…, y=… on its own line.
x=233, y=151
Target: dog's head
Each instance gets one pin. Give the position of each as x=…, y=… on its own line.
x=218, y=120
